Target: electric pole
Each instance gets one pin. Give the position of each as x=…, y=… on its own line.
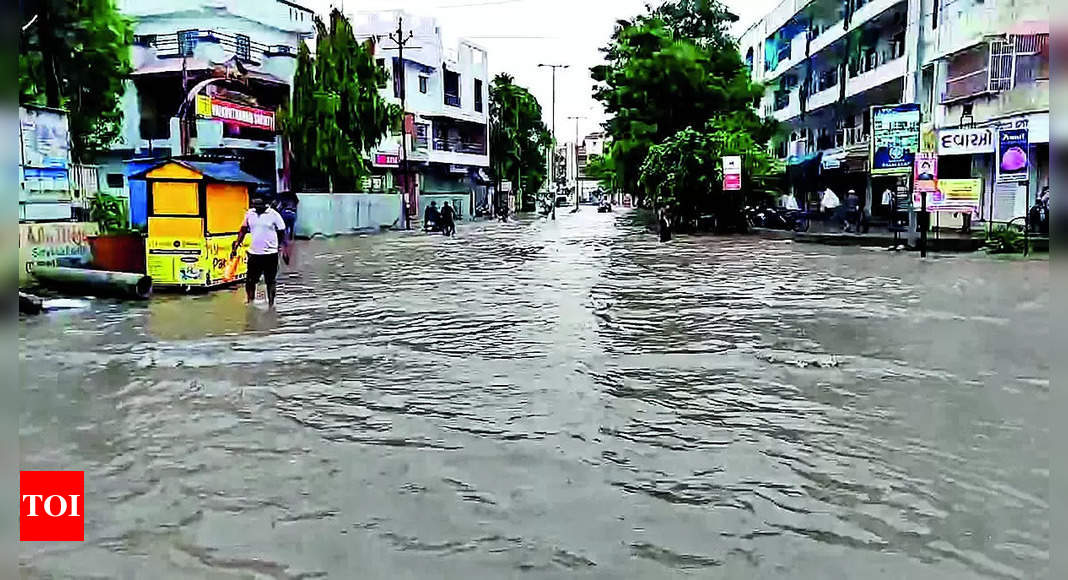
x=576, y=119
x=401, y=41
x=552, y=153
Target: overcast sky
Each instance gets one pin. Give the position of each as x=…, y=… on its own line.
x=520, y=34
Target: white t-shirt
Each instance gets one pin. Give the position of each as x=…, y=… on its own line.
x=788, y=202
x=830, y=200
x=264, y=231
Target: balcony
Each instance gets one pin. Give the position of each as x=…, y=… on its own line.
x=790, y=54
x=862, y=14
x=185, y=43
x=460, y=146
x=849, y=137
x=826, y=91
x=877, y=71
x=786, y=105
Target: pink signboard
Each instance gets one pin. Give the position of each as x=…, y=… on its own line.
x=732, y=182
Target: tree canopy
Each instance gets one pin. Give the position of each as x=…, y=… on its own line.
x=519, y=138
x=668, y=70
x=336, y=114
x=684, y=174
x=75, y=55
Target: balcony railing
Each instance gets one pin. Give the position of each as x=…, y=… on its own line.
x=460, y=146
x=452, y=100
x=184, y=43
x=851, y=137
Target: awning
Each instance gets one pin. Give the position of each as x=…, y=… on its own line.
x=832, y=160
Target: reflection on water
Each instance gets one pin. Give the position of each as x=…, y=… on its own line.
x=557, y=399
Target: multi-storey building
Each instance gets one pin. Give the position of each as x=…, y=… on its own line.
x=968, y=63
x=984, y=68
x=447, y=111
x=824, y=64
x=208, y=77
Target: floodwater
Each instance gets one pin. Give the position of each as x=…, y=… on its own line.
x=557, y=399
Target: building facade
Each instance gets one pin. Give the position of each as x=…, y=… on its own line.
x=825, y=63
x=208, y=77
x=446, y=127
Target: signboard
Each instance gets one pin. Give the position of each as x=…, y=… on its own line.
x=965, y=141
x=1012, y=155
x=732, y=172
x=212, y=108
x=926, y=176
x=44, y=150
x=193, y=261
x=387, y=160
x=895, y=138
x=506, y=187
x=956, y=195
x=46, y=244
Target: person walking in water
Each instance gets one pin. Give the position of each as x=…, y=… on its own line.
x=448, y=219
x=268, y=231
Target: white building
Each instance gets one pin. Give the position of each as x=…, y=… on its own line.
x=447, y=102
x=824, y=63
x=239, y=57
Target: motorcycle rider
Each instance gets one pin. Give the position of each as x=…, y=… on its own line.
x=431, y=217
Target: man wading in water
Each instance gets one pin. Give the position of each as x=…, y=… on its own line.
x=268, y=232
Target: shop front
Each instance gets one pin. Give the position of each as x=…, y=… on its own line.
x=1010, y=156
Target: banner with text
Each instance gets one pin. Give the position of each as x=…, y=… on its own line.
x=895, y=138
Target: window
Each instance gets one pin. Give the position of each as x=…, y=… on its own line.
x=423, y=80
x=242, y=47
x=187, y=42
x=116, y=180
x=935, y=13
x=478, y=95
x=1001, y=65
x=452, y=88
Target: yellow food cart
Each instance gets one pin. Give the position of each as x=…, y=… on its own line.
x=195, y=210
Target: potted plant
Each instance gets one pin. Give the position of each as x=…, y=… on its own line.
x=118, y=248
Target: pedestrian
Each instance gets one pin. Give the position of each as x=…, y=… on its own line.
x=288, y=210
x=829, y=203
x=268, y=231
x=664, y=226
x=448, y=219
x=431, y=217
x=852, y=210
x=789, y=202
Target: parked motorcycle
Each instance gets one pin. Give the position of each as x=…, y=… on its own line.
x=777, y=219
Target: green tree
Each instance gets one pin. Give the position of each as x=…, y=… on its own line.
x=519, y=138
x=668, y=70
x=685, y=173
x=75, y=55
x=336, y=114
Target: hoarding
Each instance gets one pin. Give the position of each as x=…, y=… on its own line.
x=926, y=176
x=212, y=108
x=732, y=172
x=44, y=150
x=1012, y=155
x=47, y=244
x=956, y=195
x=194, y=261
x=895, y=138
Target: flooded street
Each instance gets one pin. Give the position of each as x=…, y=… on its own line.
x=555, y=399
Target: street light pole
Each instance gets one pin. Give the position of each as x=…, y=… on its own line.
x=401, y=40
x=552, y=151
x=576, y=119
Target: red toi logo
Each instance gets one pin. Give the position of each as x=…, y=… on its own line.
x=51, y=506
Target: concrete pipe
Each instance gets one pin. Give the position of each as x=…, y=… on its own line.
x=95, y=282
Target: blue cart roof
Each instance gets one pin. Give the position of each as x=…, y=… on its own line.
x=211, y=170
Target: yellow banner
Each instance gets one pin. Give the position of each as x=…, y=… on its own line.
x=204, y=106
x=956, y=195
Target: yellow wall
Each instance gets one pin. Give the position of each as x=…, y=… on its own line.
x=227, y=204
x=175, y=198
x=175, y=227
